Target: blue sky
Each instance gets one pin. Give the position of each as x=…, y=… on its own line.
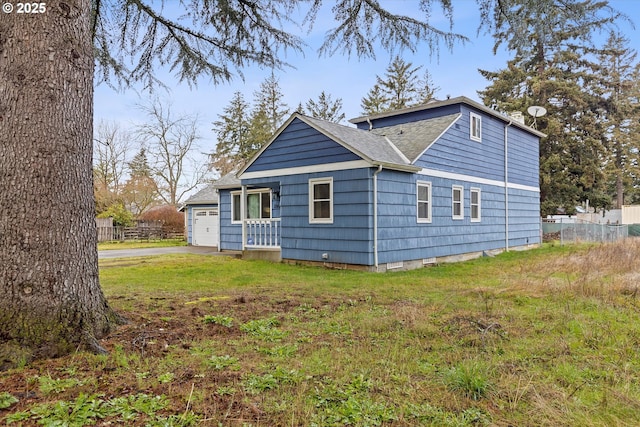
x=454, y=72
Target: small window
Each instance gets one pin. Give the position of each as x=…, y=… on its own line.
x=457, y=205
x=424, y=201
x=235, y=207
x=321, y=201
x=475, y=205
x=476, y=127
x=201, y=213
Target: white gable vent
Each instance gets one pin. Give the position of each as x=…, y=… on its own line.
x=395, y=265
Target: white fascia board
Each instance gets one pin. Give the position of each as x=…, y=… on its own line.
x=475, y=179
x=324, y=167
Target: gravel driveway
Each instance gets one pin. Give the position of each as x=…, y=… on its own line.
x=129, y=253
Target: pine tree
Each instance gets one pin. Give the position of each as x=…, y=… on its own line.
x=374, y=102
x=325, y=108
x=232, y=133
x=552, y=67
x=401, y=87
x=141, y=190
x=268, y=101
x=267, y=116
x=616, y=88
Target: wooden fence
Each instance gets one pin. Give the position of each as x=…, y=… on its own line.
x=143, y=230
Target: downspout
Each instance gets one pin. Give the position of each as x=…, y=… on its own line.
x=243, y=209
x=375, y=216
x=506, y=187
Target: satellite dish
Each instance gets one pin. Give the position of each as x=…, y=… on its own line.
x=536, y=111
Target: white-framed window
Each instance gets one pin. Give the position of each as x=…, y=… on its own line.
x=457, y=202
x=475, y=130
x=423, y=201
x=475, y=204
x=321, y=201
x=258, y=205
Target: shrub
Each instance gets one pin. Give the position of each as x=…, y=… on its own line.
x=121, y=216
x=172, y=220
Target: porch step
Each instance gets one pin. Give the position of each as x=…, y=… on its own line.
x=273, y=255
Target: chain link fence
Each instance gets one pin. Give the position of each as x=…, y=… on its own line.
x=571, y=230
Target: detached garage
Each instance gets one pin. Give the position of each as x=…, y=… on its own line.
x=202, y=224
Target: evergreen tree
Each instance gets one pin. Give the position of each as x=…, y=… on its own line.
x=616, y=87
x=325, y=108
x=141, y=190
x=268, y=102
x=401, y=87
x=232, y=133
x=427, y=88
x=267, y=116
x=375, y=102
x=552, y=67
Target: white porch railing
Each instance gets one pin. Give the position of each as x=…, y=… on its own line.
x=262, y=233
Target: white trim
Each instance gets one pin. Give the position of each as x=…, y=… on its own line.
x=475, y=180
x=472, y=116
x=461, y=201
x=427, y=184
x=315, y=181
x=453, y=122
x=479, y=191
x=397, y=150
x=325, y=167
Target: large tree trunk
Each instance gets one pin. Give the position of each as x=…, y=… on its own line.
x=50, y=297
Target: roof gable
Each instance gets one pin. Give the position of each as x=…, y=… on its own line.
x=414, y=138
x=306, y=141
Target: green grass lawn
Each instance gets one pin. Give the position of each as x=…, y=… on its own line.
x=546, y=337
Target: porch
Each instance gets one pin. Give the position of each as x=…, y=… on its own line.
x=261, y=234
x=261, y=239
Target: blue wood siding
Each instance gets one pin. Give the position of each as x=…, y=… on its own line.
x=402, y=238
x=230, y=234
x=456, y=152
x=300, y=145
x=348, y=240
x=524, y=158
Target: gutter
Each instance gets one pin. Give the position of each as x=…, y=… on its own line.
x=375, y=216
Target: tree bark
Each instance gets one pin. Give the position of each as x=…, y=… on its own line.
x=51, y=302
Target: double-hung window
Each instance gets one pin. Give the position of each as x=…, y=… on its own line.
x=475, y=205
x=457, y=202
x=423, y=192
x=321, y=201
x=475, y=131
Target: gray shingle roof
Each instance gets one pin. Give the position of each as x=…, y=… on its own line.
x=415, y=137
x=229, y=180
x=206, y=195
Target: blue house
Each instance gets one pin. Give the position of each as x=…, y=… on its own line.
x=442, y=181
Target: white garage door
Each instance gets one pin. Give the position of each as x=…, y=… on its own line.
x=205, y=227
